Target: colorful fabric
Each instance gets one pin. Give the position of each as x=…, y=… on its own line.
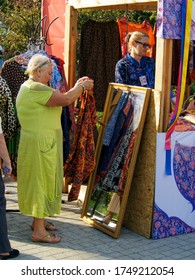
x=169, y=19
x=107, y=152
x=175, y=194
x=113, y=175
x=165, y=226
x=128, y=71
x=111, y=180
x=125, y=27
x=185, y=44
x=40, y=155
x=114, y=159
x=184, y=171
x=110, y=128
x=81, y=160
x=127, y=158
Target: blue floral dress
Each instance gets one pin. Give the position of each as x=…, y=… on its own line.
x=130, y=72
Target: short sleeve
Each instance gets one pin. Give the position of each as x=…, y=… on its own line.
x=41, y=93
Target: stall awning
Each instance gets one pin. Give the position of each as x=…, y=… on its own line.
x=111, y=4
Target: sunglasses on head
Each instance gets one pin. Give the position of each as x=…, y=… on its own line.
x=46, y=62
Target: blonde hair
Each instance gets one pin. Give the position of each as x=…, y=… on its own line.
x=38, y=61
x=135, y=36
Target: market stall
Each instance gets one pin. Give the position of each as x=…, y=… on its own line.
x=139, y=210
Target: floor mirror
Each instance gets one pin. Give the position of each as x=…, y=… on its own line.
x=117, y=147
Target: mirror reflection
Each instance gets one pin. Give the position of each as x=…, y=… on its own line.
x=104, y=207
x=117, y=147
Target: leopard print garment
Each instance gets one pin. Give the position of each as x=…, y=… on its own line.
x=7, y=111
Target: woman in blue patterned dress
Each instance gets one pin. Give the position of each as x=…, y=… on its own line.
x=136, y=68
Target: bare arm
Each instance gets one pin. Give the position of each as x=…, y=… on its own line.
x=67, y=98
x=4, y=155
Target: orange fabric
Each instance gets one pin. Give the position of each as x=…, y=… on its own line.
x=55, y=36
x=126, y=27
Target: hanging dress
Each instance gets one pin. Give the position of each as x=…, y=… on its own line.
x=81, y=160
x=7, y=111
x=100, y=50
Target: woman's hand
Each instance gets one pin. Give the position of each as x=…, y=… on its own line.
x=7, y=169
x=86, y=82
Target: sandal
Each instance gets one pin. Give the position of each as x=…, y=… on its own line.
x=48, y=226
x=49, y=238
x=12, y=254
x=107, y=219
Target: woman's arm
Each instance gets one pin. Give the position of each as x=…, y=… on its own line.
x=67, y=98
x=4, y=155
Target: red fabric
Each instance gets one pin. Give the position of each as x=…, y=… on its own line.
x=192, y=76
x=81, y=160
x=56, y=33
x=125, y=27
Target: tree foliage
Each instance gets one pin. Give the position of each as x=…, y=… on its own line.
x=18, y=22
x=107, y=15
x=20, y=17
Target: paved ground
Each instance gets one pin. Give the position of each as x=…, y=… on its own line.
x=80, y=241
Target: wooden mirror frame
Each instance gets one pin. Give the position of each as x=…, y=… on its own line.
x=110, y=103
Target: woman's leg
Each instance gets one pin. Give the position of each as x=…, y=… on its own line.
x=39, y=227
x=40, y=234
x=4, y=241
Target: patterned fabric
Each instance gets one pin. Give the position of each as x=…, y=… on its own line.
x=111, y=180
x=169, y=20
x=128, y=71
x=110, y=128
x=165, y=226
x=111, y=176
x=100, y=50
x=184, y=171
x=14, y=75
x=7, y=111
x=67, y=118
x=108, y=151
x=81, y=160
x=63, y=87
x=127, y=158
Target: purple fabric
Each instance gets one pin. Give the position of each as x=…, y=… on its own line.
x=169, y=19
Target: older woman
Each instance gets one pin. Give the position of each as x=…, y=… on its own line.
x=40, y=164
x=136, y=68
